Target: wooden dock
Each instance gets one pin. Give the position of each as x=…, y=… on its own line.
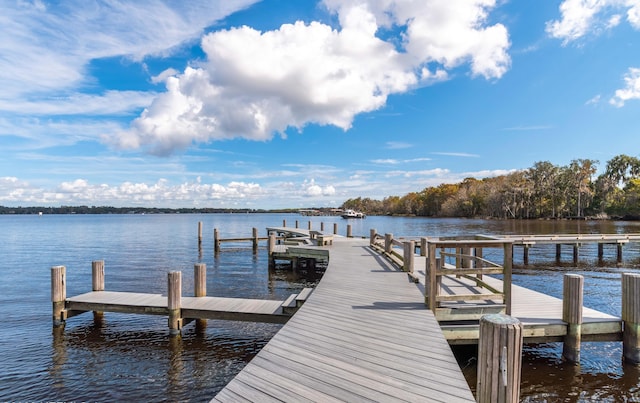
x=180, y=310
x=364, y=334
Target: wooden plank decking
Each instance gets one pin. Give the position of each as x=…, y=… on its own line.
x=242, y=309
x=363, y=335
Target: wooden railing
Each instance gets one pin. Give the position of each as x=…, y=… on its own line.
x=460, y=259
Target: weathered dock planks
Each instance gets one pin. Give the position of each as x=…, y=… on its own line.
x=364, y=334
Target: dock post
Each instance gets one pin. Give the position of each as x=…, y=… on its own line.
x=255, y=240
x=423, y=246
x=309, y=226
x=296, y=223
x=200, y=280
x=558, y=252
x=284, y=223
x=431, y=286
x=97, y=282
x=631, y=317
x=200, y=288
x=372, y=236
x=322, y=226
x=58, y=293
x=507, y=266
x=409, y=247
x=216, y=241
x=174, y=292
x=499, y=359
x=388, y=242
x=525, y=254
x=271, y=246
x=572, y=300
x=600, y=251
x=199, y=233
x=335, y=228
x=349, y=235
x=619, y=253
x=575, y=254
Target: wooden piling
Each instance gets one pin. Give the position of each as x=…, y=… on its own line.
x=296, y=223
x=619, y=253
x=575, y=254
x=349, y=234
x=335, y=228
x=409, y=247
x=388, y=242
x=255, y=239
x=507, y=266
x=284, y=223
x=423, y=246
x=216, y=241
x=174, y=292
x=525, y=254
x=271, y=246
x=558, y=252
x=199, y=233
x=572, y=301
x=58, y=293
x=499, y=359
x=631, y=317
x=372, y=236
x=97, y=275
x=431, y=287
x=309, y=226
x=200, y=280
x=322, y=226
x=200, y=288
x=600, y=251
x=97, y=281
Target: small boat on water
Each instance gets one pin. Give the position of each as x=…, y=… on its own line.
x=349, y=213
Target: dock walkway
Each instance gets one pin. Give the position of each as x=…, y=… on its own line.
x=364, y=334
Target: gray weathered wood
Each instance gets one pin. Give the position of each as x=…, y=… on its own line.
x=572, y=299
x=499, y=359
x=631, y=317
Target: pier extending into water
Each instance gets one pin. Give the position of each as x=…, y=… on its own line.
x=379, y=324
x=179, y=310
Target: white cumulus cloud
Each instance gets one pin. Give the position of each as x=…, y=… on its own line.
x=582, y=17
x=256, y=84
x=631, y=90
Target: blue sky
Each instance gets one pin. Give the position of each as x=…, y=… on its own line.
x=290, y=104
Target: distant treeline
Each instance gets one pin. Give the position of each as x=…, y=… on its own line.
x=543, y=191
x=129, y=210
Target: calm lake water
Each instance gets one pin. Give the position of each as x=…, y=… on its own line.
x=131, y=358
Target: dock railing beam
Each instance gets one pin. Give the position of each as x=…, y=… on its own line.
x=174, y=291
x=499, y=359
x=572, y=300
x=631, y=317
x=58, y=293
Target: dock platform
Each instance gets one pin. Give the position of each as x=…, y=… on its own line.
x=364, y=334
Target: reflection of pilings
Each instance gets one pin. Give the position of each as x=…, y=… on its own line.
x=175, y=371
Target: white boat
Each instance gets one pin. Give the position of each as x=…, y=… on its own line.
x=349, y=213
